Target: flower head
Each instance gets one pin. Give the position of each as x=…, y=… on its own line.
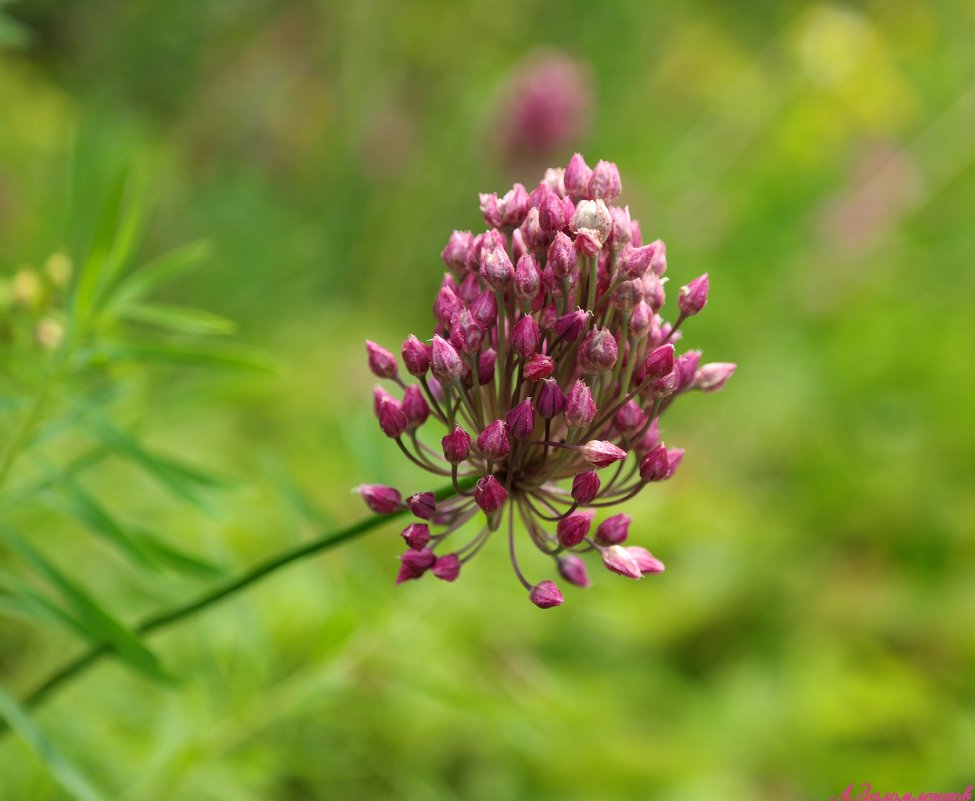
x=546, y=376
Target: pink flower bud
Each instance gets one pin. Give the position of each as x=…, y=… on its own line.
x=528, y=278
x=646, y=561
x=422, y=504
x=636, y=236
x=598, y=352
x=653, y=291
x=490, y=210
x=658, y=264
x=562, y=256
x=693, y=296
x=521, y=420
x=518, y=246
x=633, y=262
x=539, y=367
x=525, y=336
x=572, y=529
x=666, y=385
x=585, y=487
x=674, y=457
x=485, y=310
x=711, y=377
x=640, y=320
x=573, y=570
x=545, y=595
x=469, y=288
x=496, y=268
x=489, y=494
x=416, y=355
x=455, y=253
x=417, y=535
x=445, y=362
x=587, y=242
x=415, y=407
x=630, y=417
x=602, y=454
x=514, y=206
x=580, y=409
x=414, y=564
x=550, y=213
x=550, y=401
x=382, y=500
x=627, y=295
x=570, y=326
x=548, y=315
x=456, y=445
x=381, y=361
x=650, y=439
x=686, y=368
x=605, y=181
x=531, y=231
x=493, y=441
x=659, y=362
x=392, y=419
x=447, y=567
x=655, y=466
x=592, y=215
x=614, y=530
x=485, y=366
x=446, y=305
x=619, y=237
x=466, y=333
x=378, y=396
x=618, y=559
x=576, y=177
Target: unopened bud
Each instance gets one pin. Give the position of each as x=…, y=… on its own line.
x=618, y=559
x=576, y=177
x=456, y=446
x=417, y=535
x=545, y=595
x=646, y=561
x=573, y=570
x=585, y=487
x=528, y=278
x=521, y=420
x=602, y=454
x=447, y=567
x=538, y=367
x=493, y=441
x=381, y=361
x=570, y=326
x=605, y=181
x=497, y=269
x=485, y=309
x=514, y=206
x=614, y=530
x=598, y=352
x=659, y=362
x=416, y=355
x=381, y=499
x=593, y=215
x=485, y=366
x=655, y=466
x=415, y=407
x=551, y=401
x=525, y=336
x=392, y=419
x=489, y=494
x=693, y=296
x=445, y=362
x=422, y=504
x=562, y=257
x=711, y=377
x=414, y=564
x=572, y=529
x=580, y=409
x=456, y=251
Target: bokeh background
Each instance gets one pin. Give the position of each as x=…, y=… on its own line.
x=815, y=625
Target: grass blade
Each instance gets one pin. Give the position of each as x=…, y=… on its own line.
x=62, y=771
x=143, y=281
x=178, y=319
x=101, y=626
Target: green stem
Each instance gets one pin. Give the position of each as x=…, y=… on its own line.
x=161, y=620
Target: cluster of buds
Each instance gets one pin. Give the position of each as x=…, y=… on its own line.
x=548, y=371
x=31, y=303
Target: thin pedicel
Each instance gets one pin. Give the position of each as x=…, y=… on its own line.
x=549, y=362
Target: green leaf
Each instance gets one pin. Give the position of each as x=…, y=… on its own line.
x=191, y=354
x=179, y=560
x=100, y=625
x=139, y=283
x=179, y=319
x=172, y=475
x=62, y=771
x=96, y=268
x=99, y=521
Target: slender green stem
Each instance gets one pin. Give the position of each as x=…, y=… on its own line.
x=161, y=620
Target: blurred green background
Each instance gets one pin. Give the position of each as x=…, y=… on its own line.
x=815, y=625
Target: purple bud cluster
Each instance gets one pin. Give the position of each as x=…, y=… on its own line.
x=549, y=363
